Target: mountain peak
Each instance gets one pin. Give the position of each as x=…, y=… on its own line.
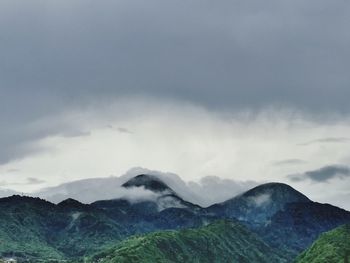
x=258, y=204
x=149, y=182
x=166, y=196
x=71, y=203
x=276, y=192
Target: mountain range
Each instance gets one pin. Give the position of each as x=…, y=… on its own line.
x=271, y=221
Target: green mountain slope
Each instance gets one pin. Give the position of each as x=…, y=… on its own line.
x=24, y=227
x=330, y=247
x=221, y=241
x=34, y=229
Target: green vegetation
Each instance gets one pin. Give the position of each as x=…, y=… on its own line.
x=222, y=241
x=33, y=229
x=330, y=247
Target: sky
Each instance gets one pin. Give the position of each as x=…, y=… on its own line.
x=250, y=91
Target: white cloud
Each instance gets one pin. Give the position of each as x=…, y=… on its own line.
x=261, y=200
x=213, y=189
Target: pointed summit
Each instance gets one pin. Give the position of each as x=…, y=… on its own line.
x=149, y=182
x=166, y=196
x=277, y=192
x=72, y=204
x=260, y=203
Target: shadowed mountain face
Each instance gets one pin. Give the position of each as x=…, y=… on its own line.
x=281, y=216
x=299, y=224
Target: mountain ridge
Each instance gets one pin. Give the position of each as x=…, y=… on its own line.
x=221, y=241
x=71, y=229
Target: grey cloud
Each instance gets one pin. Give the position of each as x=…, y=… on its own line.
x=119, y=129
x=289, y=162
x=28, y=181
x=14, y=150
x=124, y=130
x=75, y=133
x=20, y=137
x=250, y=54
x=7, y=192
x=327, y=140
x=323, y=174
x=32, y=180
x=224, y=55
x=216, y=189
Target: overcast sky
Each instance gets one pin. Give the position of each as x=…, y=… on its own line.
x=244, y=90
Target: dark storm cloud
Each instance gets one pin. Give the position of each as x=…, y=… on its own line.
x=58, y=55
x=323, y=174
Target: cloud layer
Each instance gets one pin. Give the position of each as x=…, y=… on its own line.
x=227, y=56
x=207, y=191
x=182, y=138
x=249, y=54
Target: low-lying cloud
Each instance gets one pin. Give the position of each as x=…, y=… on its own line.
x=214, y=189
x=260, y=200
x=207, y=191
